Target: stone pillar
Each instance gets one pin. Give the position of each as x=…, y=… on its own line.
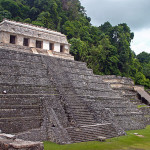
x=1, y=37
x=57, y=47
x=46, y=45
x=19, y=40
x=5, y=37
x=32, y=42
x=66, y=49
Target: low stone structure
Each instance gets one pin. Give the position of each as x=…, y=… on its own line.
x=143, y=95
x=33, y=39
x=136, y=94
x=9, y=142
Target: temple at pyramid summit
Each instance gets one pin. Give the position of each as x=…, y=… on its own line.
x=45, y=95
x=34, y=39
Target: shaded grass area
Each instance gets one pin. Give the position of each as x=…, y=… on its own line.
x=128, y=142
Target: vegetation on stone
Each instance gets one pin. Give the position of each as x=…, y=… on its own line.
x=140, y=106
x=131, y=141
x=106, y=48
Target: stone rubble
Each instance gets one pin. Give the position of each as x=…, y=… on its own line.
x=9, y=142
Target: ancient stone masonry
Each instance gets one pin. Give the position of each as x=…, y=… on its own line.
x=46, y=98
x=9, y=142
x=32, y=39
x=130, y=92
x=142, y=94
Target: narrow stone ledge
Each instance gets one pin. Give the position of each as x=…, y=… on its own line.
x=9, y=142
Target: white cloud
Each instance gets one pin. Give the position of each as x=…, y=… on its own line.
x=133, y=12
x=141, y=41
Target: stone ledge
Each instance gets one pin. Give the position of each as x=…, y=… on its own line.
x=9, y=142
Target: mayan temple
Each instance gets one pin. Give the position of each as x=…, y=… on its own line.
x=47, y=96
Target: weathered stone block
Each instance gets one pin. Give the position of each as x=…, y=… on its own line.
x=8, y=142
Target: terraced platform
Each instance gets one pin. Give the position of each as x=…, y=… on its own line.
x=46, y=98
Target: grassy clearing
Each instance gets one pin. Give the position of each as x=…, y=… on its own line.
x=128, y=142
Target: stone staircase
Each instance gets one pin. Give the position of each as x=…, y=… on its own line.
x=129, y=114
x=18, y=113
x=25, y=91
x=20, y=99
x=85, y=133
x=78, y=112
x=97, y=95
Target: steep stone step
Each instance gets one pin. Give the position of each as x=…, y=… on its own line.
x=25, y=99
x=108, y=93
x=82, y=114
x=104, y=98
x=89, y=78
x=109, y=104
x=131, y=121
x=132, y=113
x=6, y=112
x=19, y=124
x=23, y=89
x=9, y=79
x=123, y=110
x=19, y=106
x=32, y=135
x=79, y=71
x=90, y=133
x=87, y=92
x=72, y=64
x=15, y=70
x=19, y=56
x=23, y=64
x=81, y=123
x=90, y=85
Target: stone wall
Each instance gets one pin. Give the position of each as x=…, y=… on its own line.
x=125, y=86
x=32, y=31
x=36, y=51
x=9, y=142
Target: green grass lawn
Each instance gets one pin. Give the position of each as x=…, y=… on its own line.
x=128, y=142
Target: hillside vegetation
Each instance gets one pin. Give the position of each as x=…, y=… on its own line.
x=106, y=48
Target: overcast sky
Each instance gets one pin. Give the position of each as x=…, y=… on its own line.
x=136, y=13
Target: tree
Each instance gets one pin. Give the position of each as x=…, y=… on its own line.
x=143, y=57
x=121, y=37
x=5, y=14
x=107, y=57
x=11, y=6
x=78, y=49
x=45, y=19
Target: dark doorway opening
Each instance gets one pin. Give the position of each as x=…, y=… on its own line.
x=51, y=46
x=26, y=42
x=61, y=48
x=39, y=44
x=12, y=39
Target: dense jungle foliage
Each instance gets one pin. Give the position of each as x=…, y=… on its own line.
x=106, y=48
